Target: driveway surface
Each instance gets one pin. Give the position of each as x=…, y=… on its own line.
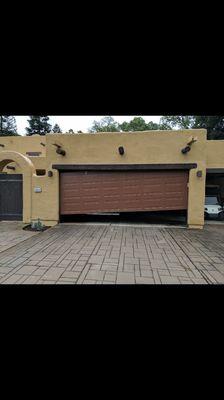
x=116, y=254
x=11, y=233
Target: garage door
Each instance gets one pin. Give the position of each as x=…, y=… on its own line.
x=11, y=197
x=87, y=192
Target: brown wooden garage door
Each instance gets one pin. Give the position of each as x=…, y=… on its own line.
x=113, y=191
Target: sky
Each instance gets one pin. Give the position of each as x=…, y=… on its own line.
x=82, y=123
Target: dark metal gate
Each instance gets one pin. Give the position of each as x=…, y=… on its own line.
x=11, y=197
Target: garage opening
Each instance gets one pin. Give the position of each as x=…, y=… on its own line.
x=150, y=196
x=178, y=218
x=214, y=195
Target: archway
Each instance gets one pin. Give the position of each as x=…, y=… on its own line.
x=27, y=170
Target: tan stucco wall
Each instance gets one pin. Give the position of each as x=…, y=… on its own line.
x=45, y=205
x=215, y=154
x=140, y=147
x=152, y=147
x=22, y=144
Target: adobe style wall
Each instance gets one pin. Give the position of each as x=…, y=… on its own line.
x=150, y=147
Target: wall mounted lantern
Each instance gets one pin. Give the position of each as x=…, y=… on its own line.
x=50, y=174
x=189, y=144
x=121, y=150
x=59, y=149
x=186, y=149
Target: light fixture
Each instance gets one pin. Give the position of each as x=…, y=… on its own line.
x=50, y=174
x=2, y=145
x=121, y=150
x=193, y=140
x=199, y=174
x=186, y=149
x=189, y=144
x=59, y=149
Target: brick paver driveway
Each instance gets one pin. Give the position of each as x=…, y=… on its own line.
x=112, y=253
x=11, y=233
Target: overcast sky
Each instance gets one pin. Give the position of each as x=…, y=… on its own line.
x=82, y=123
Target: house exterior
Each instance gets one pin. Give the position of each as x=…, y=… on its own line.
x=63, y=174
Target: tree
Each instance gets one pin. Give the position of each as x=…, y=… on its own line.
x=57, y=129
x=106, y=124
x=38, y=125
x=177, y=122
x=213, y=124
x=138, y=124
x=8, y=126
x=71, y=131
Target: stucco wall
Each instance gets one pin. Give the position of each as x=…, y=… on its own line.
x=140, y=147
x=22, y=144
x=152, y=147
x=215, y=154
x=45, y=205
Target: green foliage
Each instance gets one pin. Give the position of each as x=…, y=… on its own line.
x=37, y=225
x=38, y=125
x=213, y=124
x=8, y=126
x=106, y=124
x=177, y=122
x=138, y=124
x=56, y=129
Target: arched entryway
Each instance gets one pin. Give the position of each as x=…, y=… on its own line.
x=26, y=169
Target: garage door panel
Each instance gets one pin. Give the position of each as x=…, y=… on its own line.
x=96, y=191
